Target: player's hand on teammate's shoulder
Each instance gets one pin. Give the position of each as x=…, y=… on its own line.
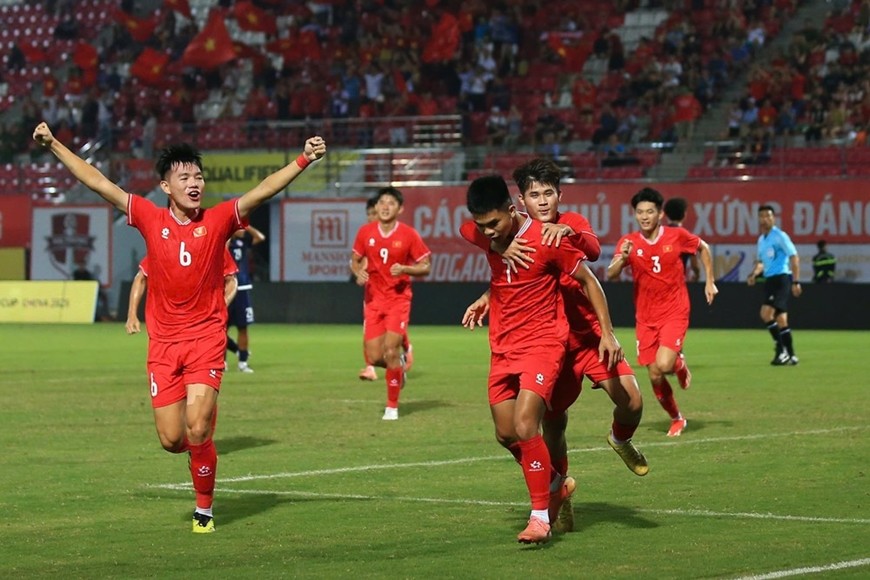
x=518, y=254
x=42, y=134
x=554, y=233
x=315, y=148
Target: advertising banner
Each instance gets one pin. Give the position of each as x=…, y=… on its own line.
x=65, y=239
x=15, y=220
x=48, y=302
x=723, y=214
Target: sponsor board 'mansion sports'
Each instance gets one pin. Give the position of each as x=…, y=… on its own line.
x=317, y=236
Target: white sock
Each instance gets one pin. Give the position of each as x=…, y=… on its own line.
x=204, y=511
x=541, y=515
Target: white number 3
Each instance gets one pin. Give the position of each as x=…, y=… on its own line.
x=657, y=267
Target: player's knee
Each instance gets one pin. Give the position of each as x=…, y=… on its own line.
x=172, y=443
x=199, y=431
x=505, y=440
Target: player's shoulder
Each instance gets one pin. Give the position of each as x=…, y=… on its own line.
x=573, y=219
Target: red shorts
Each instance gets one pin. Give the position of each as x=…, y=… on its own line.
x=670, y=334
x=380, y=318
x=174, y=365
x=533, y=369
x=579, y=363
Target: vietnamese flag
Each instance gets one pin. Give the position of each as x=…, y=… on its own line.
x=444, y=41
x=85, y=56
x=252, y=18
x=33, y=54
x=212, y=47
x=150, y=67
x=180, y=6
x=140, y=29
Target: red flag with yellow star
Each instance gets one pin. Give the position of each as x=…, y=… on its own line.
x=252, y=18
x=180, y=6
x=140, y=29
x=212, y=47
x=150, y=67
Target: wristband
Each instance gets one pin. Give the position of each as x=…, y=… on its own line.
x=302, y=161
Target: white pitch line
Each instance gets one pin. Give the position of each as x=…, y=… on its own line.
x=812, y=570
x=502, y=457
x=673, y=512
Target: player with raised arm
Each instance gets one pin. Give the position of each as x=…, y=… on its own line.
x=528, y=333
x=661, y=300
x=185, y=311
x=386, y=254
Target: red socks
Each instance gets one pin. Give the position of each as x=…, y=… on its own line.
x=536, y=470
x=394, y=386
x=665, y=396
x=203, y=465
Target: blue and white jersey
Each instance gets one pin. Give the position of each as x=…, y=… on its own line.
x=239, y=249
x=774, y=250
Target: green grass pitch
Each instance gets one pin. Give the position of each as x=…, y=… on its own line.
x=769, y=479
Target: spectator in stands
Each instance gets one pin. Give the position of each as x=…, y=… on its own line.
x=15, y=61
x=608, y=123
x=67, y=28
x=824, y=264
x=816, y=119
x=496, y=127
x=8, y=148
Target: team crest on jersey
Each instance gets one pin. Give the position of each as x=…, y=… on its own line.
x=199, y=232
x=667, y=249
x=164, y=233
x=397, y=243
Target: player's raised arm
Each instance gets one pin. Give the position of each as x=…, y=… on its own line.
x=315, y=148
x=87, y=174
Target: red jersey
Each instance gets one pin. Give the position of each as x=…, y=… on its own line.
x=526, y=307
x=185, y=267
x=659, y=274
x=403, y=245
x=230, y=267
x=582, y=319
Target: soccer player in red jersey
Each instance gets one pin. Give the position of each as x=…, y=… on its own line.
x=140, y=284
x=368, y=373
x=386, y=253
x=528, y=333
x=186, y=312
x=661, y=300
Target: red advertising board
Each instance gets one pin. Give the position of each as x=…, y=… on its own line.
x=721, y=213
x=15, y=221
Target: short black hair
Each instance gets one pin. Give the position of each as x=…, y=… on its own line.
x=767, y=207
x=486, y=194
x=540, y=170
x=821, y=244
x=392, y=191
x=648, y=194
x=675, y=208
x=177, y=155
x=371, y=202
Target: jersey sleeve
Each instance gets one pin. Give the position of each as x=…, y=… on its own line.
x=359, y=247
x=469, y=231
x=140, y=211
x=787, y=246
x=143, y=266
x=584, y=238
x=230, y=267
x=419, y=249
x=689, y=242
x=566, y=257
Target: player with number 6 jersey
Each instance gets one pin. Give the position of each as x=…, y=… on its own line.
x=186, y=310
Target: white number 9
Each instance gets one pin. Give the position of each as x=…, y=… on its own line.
x=384, y=254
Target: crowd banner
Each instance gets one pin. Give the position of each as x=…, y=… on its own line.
x=69, y=237
x=723, y=214
x=48, y=302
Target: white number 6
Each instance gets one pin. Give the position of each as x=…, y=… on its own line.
x=183, y=256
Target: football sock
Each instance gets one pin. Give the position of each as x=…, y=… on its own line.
x=773, y=328
x=394, y=386
x=665, y=395
x=243, y=355
x=231, y=345
x=560, y=465
x=204, y=511
x=536, y=471
x=203, y=465
x=406, y=344
x=679, y=364
x=785, y=339
x=622, y=433
x=541, y=515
